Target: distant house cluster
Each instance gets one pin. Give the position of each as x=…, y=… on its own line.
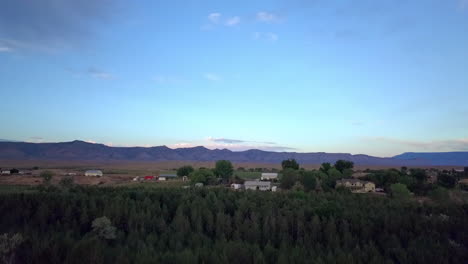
x=15, y=172
x=263, y=184
x=161, y=177
x=356, y=185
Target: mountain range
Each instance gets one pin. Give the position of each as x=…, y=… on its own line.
x=84, y=151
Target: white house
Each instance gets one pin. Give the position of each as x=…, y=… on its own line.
x=269, y=176
x=6, y=172
x=93, y=173
x=257, y=185
x=164, y=177
x=236, y=186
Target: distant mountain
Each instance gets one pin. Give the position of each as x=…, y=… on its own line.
x=435, y=158
x=80, y=150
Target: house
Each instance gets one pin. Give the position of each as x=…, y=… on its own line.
x=164, y=177
x=236, y=186
x=257, y=185
x=93, y=173
x=269, y=176
x=149, y=178
x=356, y=185
x=6, y=172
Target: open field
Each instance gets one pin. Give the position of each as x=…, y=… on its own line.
x=122, y=167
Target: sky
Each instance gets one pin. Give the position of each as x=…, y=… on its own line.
x=348, y=76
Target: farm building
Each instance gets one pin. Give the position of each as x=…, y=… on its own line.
x=165, y=177
x=236, y=186
x=257, y=185
x=93, y=173
x=269, y=176
x=149, y=178
x=356, y=185
x=6, y=172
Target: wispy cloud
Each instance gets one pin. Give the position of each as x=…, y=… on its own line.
x=237, y=141
x=212, y=77
x=233, y=21
x=263, y=16
x=232, y=144
x=99, y=74
x=434, y=145
x=268, y=36
x=214, y=18
x=5, y=49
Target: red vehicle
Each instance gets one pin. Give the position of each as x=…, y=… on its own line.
x=147, y=178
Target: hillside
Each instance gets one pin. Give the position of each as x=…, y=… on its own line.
x=80, y=150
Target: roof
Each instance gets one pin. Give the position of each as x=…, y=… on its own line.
x=93, y=171
x=257, y=183
x=352, y=181
x=168, y=175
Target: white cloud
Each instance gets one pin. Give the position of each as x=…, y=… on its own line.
x=233, y=21
x=98, y=74
x=212, y=77
x=5, y=49
x=265, y=36
x=214, y=17
x=266, y=17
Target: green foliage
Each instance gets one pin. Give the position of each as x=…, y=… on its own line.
x=290, y=164
x=204, y=176
x=185, y=170
x=66, y=182
x=399, y=191
x=341, y=165
x=289, y=178
x=8, y=247
x=47, y=177
x=446, y=180
x=325, y=167
x=103, y=228
x=309, y=180
x=215, y=225
x=224, y=169
x=439, y=194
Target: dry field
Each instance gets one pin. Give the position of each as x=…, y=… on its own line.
x=116, y=173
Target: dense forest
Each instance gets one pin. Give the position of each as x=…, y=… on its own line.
x=216, y=225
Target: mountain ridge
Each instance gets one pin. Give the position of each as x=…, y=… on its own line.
x=85, y=151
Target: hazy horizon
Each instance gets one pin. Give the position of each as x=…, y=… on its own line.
x=364, y=77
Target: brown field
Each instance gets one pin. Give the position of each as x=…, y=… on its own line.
x=117, y=173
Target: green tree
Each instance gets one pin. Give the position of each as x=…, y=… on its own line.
x=185, y=170
x=103, y=228
x=288, y=178
x=341, y=165
x=325, y=167
x=47, y=176
x=224, y=169
x=446, y=180
x=8, y=247
x=309, y=180
x=204, y=176
x=290, y=164
x=66, y=182
x=399, y=191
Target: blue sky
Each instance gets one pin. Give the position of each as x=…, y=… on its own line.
x=354, y=76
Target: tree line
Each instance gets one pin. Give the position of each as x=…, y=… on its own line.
x=216, y=225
